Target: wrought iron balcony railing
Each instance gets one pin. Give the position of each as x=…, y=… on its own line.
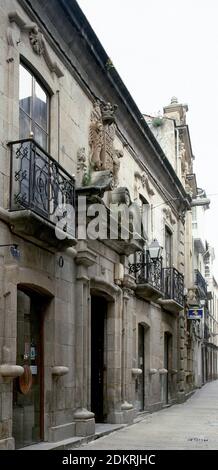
x=201, y=284
x=173, y=285
x=37, y=181
x=147, y=270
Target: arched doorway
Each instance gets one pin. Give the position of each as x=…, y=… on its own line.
x=28, y=390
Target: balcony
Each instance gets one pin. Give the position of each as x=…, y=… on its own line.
x=201, y=284
x=173, y=282
x=148, y=274
x=39, y=186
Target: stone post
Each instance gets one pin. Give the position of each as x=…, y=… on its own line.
x=127, y=339
x=8, y=367
x=126, y=407
x=181, y=358
x=84, y=419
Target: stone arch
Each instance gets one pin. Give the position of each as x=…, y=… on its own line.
x=104, y=289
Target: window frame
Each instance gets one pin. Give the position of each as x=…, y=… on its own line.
x=33, y=123
x=168, y=236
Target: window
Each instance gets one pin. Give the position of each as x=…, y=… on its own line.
x=168, y=247
x=144, y=206
x=33, y=108
x=194, y=217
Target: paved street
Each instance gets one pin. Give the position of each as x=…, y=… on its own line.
x=191, y=425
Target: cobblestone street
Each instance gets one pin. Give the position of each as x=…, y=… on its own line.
x=191, y=425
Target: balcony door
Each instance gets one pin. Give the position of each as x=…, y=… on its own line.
x=34, y=166
x=168, y=248
x=33, y=108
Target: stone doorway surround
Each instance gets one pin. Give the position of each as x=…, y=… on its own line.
x=58, y=423
x=118, y=409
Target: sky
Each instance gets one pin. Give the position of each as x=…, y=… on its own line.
x=165, y=48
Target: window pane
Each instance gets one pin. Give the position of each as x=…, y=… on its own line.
x=25, y=125
x=40, y=107
x=40, y=137
x=25, y=89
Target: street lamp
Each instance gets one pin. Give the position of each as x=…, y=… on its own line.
x=154, y=250
x=13, y=249
x=200, y=202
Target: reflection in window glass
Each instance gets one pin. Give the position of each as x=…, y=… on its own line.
x=25, y=125
x=40, y=107
x=33, y=102
x=25, y=90
x=41, y=137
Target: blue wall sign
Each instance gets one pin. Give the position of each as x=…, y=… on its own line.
x=195, y=313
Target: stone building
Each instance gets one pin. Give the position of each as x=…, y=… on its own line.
x=91, y=316
x=198, y=347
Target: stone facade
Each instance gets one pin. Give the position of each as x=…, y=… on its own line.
x=71, y=292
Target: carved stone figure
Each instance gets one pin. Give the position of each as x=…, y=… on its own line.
x=145, y=182
x=108, y=111
x=168, y=215
x=96, y=137
x=137, y=184
x=116, y=165
x=81, y=164
x=192, y=297
x=102, y=132
x=108, y=147
x=36, y=41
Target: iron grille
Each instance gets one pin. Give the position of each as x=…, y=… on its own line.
x=147, y=270
x=173, y=285
x=38, y=182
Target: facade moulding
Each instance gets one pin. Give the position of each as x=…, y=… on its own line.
x=36, y=38
x=108, y=289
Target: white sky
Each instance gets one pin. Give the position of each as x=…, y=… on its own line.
x=165, y=48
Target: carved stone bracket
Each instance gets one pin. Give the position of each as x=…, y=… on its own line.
x=36, y=39
x=168, y=215
x=144, y=182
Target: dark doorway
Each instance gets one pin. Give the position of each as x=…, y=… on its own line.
x=98, y=315
x=28, y=390
x=167, y=365
x=140, y=381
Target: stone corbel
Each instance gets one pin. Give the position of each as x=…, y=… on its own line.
x=163, y=371
x=85, y=257
x=11, y=371
x=142, y=177
x=173, y=371
x=136, y=372
x=36, y=38
x=126, y=406
x=168, y=215
x=58, y=371
x=145, y=183
x=153, y=371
